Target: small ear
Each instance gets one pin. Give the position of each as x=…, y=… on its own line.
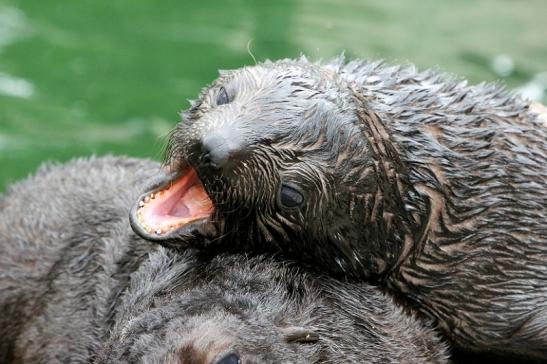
x=297, y=334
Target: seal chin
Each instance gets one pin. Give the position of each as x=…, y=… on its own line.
x=172, y=205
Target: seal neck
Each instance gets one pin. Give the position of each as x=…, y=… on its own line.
x=395, y=229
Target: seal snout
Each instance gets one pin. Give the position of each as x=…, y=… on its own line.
x=221, y=148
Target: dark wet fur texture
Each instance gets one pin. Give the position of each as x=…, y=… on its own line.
x=77, y=286
x=413, y=180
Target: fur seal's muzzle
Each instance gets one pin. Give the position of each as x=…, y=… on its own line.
x=221, y=148
x=177, y=203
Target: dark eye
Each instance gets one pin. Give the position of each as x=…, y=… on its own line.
x=230, y=359
x=290, y=196
x=222, y=97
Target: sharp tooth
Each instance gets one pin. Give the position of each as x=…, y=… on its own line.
x=147, y=199
x=141, y=203
x=152, y=196
x=159, y=232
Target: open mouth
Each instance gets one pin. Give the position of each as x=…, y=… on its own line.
x=174, y=202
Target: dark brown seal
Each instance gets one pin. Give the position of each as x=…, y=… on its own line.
x=78, y=286
x=414, y=180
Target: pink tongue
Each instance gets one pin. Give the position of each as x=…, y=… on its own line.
x=183, y=202
x=197, y=201
x=179, y=210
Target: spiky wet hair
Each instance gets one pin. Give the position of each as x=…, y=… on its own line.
x=412, y=179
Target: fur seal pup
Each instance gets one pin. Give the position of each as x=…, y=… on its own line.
x=78, y=286
x=413, y=180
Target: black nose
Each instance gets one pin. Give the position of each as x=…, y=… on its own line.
x=220, y=149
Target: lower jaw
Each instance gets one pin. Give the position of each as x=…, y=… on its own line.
x=200, y=229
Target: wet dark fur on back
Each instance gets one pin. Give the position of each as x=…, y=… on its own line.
x=414, y=180
x=78, y=286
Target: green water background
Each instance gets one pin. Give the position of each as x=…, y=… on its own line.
x=97, y=77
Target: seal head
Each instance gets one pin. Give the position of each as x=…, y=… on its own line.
x=272, y=146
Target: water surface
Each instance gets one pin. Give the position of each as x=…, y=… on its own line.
x=97, y=77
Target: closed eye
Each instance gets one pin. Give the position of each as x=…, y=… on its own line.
x=222, y=97
x=231, y=358
x=290, y=196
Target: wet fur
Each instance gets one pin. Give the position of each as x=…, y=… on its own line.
x=77, y=285
x=413, y=180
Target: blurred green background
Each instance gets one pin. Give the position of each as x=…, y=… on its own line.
x=83, y=77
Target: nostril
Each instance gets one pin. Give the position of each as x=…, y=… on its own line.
x=205, y=158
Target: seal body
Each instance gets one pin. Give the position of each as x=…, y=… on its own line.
x=77, y=285
x=412, y=180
